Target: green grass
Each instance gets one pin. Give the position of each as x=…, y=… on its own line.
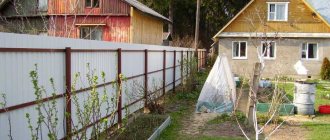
x=211, y=138
x=289, y=89
x=142, y=127
x=171, y=132
x=225, y=117
x=318, y=131
x=187, y=101
x=321, y=92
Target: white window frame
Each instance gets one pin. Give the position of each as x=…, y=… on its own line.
x=92, y=4
x=239, y=50
x=90, y=29
x=277, y=3
x=43, y=5
x=307, y=44
x=268, y=51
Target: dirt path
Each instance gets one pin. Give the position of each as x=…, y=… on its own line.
x=243, y=100
x=194, y=125
x=197, y=124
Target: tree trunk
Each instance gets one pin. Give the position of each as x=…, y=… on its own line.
x=253, y=93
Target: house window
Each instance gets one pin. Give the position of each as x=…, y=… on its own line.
x=239, y=50
x=92, y=3
x=278, y=11
x=309, y=51
x=268, y=50
x=42, y=5
x=91, y=33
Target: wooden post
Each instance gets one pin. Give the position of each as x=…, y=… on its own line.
x=68, y=114
x=197, y=25
x=145, y=79
x=198, y=55
x=202, y=59
x=181, y=67
x=253, y=92
x=164, y=71
x=174, y=71
x=187, y=69
x=119, y=106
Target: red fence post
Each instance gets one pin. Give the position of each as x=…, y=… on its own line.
x=145, y=78
x=119, y=106
x=68, y=114
x=174, y=71
x=164, y=71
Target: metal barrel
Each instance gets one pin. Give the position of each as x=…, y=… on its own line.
x=304, y=97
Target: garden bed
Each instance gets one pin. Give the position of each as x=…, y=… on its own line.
x=143, y=127
x=285, y=109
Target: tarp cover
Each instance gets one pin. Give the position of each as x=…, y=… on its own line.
x=219, y=91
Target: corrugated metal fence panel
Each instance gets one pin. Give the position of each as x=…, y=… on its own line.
x=15, y=74
x=16, y=83
x=93, y=62
x=19, y=122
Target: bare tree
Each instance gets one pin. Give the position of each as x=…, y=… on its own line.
x=262, y=38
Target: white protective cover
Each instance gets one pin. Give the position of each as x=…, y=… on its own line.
x=219, y=91
x=300, y=68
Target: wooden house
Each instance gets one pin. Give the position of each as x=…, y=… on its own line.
x=282, y=32
x=109, y=20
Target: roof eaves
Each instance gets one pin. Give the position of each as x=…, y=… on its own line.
x=235, y=17
x=145, y=9
x=317, y=13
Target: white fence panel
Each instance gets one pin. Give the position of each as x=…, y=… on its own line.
x=19, y=54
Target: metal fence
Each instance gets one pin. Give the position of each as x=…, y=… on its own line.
x=142, y=63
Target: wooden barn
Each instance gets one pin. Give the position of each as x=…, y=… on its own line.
x=109, y=20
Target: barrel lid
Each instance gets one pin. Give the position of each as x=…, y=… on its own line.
x=306, y=82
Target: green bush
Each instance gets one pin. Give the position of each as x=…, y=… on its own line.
x=325, y=69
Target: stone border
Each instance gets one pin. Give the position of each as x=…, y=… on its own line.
x=160, y=129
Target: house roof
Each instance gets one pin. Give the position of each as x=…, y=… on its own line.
x=134, y=3
x=143, y=8
x=320, y=7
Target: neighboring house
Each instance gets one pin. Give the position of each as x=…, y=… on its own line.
x=167, y=39
x=295, y=29
x=110, y=20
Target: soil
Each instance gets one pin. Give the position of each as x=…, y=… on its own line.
x=197, y=125
x=194, y=125
x=289, y=131
x=227, y=129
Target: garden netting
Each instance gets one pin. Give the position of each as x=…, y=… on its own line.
x=219, y=91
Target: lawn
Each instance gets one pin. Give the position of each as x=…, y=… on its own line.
x=321, y=92
x=181, y=108
x=317, y=130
